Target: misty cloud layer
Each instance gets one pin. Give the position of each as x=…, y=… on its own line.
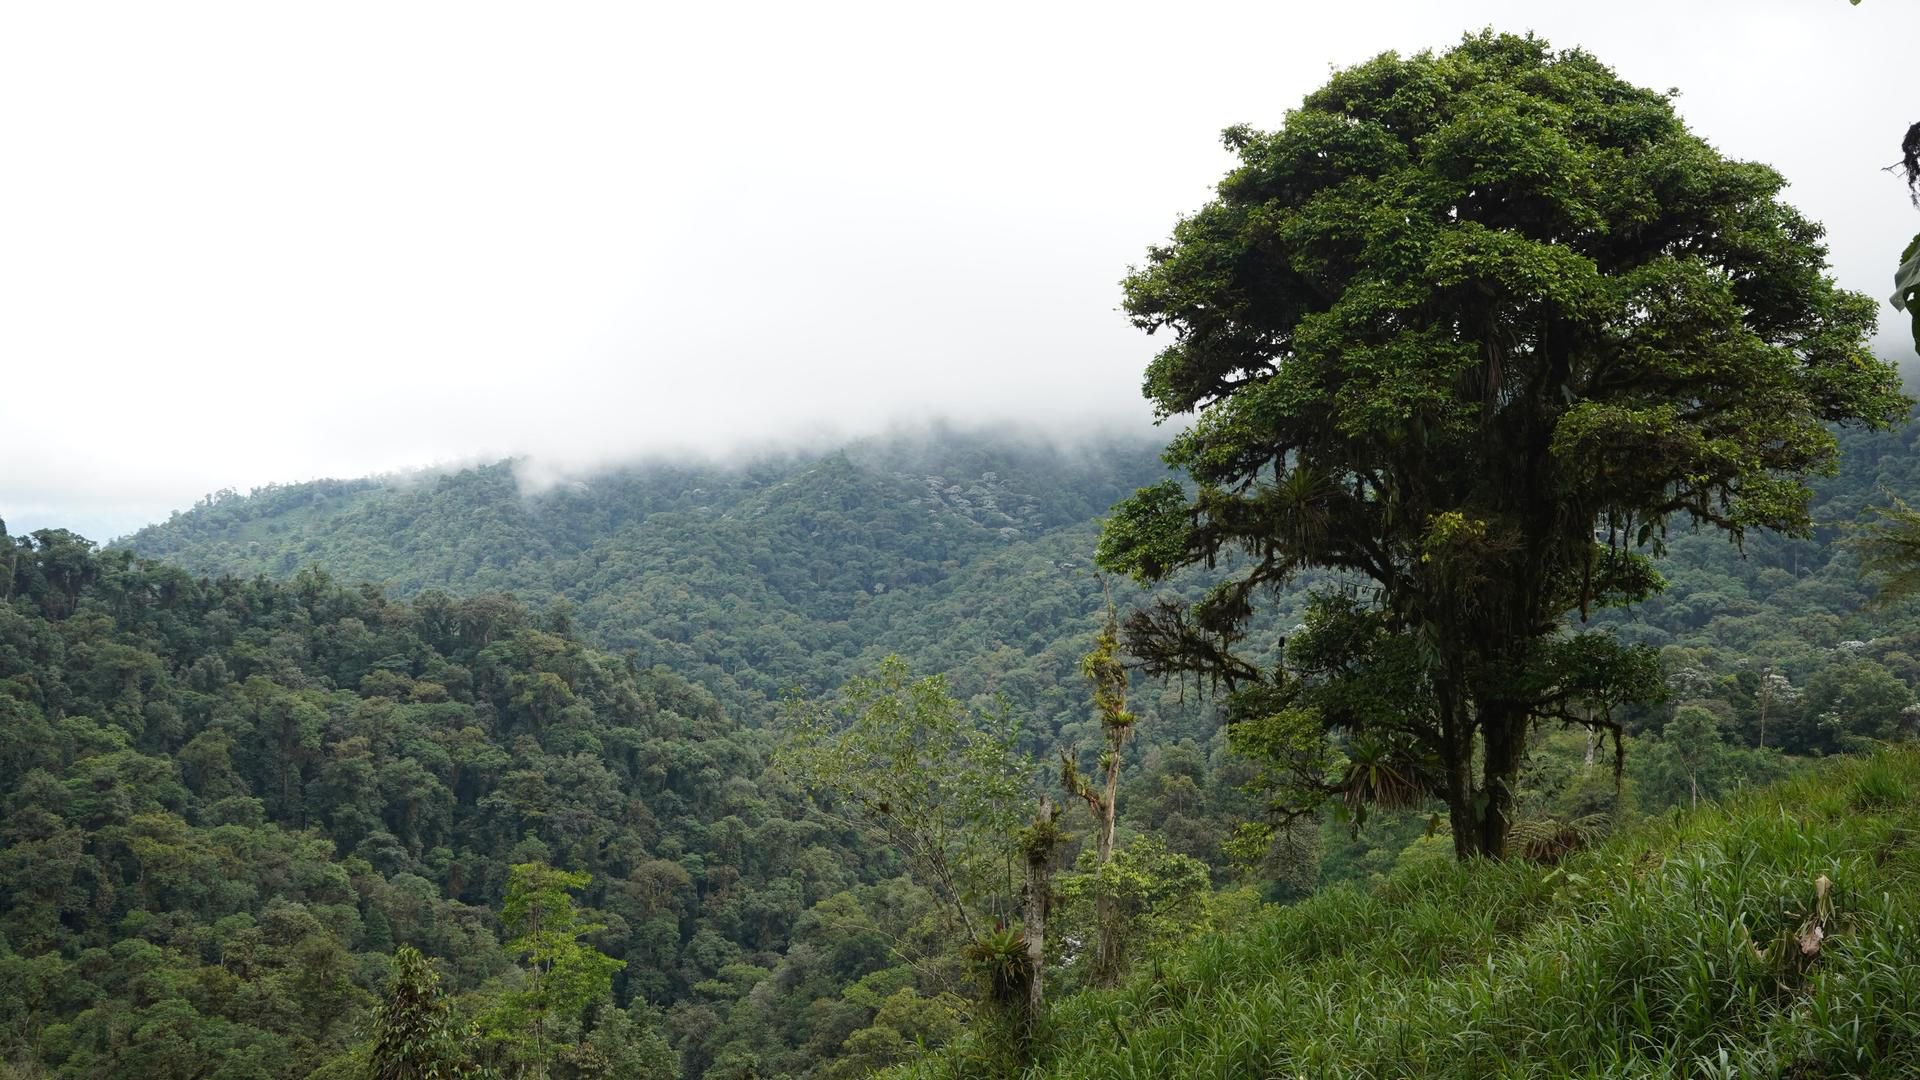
x=246, y=243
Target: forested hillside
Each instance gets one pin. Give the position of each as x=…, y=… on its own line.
x=1522, y=442
x=1501, y=659
x=966, y=553
x=225, y=795
x=878, y=554
x=224, y=803
x=1777, y=637
x=228, y=799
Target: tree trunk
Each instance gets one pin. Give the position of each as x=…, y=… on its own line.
x=1110, y=807
x=1037, y=894
x=1466, y=829
x=1106, y=951
x=1503, y=731
x=1459, y=793
x=1482, y=815
x=1107, y=959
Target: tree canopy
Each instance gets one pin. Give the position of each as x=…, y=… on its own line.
x=1471, y=329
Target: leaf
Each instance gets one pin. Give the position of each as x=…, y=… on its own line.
x=1906, y=287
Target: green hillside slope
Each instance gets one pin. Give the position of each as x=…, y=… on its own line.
x=766, y=936
x=970, y=555
x=795, y=573
x=788, y=572
x=224, y=804
x=1777, y=935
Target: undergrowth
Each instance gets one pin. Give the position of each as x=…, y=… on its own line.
x=1776, y=935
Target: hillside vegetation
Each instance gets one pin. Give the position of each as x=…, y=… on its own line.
x=1776, y=935
x=1777, y=634
x=965, y=553
x=225, y=803
x=678, y=565
x=1772, y=653
x=1481, y=679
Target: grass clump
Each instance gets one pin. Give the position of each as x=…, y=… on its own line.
x=1879, y=786
x=1777, y=935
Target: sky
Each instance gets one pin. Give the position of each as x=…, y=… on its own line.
x=247, y=243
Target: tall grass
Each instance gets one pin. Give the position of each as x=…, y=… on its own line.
x=1697, y=945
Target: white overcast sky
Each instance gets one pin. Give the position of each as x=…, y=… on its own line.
x=270, y=241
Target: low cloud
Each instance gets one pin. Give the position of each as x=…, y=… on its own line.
x=612, y=233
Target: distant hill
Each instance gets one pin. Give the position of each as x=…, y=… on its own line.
x=966, y=553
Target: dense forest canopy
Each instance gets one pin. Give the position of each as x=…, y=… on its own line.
x=752, y=579
x=226, y=802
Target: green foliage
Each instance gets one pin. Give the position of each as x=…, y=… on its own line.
x=965, y=553
x=1851, y=701
x=413, y=1034
x=561, y=976
x=917, y=769
x=1890, y=549
x=904, y=1026
x=1906, y=286
x=1769, y=937
x=1102, y=668
x=998, y=958
x=1461, y=315
x=1688, y=763
x=225, y=804
x=998, y=962
x=1156, y=897
x=620, y=1047
x=767, y=943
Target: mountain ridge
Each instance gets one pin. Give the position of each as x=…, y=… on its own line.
x=827, y=549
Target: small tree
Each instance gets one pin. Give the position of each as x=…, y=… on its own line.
x=1038, y=844
x=901, y=759
x=413, y=1036
x=1468, y=331
x=1103, y=669
x=1864, y=699
x=1694, y=737
x=562, y=975
x=622, y=1046
x=1690, y=761
x=1144, y=897
x=1774, y=694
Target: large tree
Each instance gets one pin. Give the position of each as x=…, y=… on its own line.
x=1468, y=332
